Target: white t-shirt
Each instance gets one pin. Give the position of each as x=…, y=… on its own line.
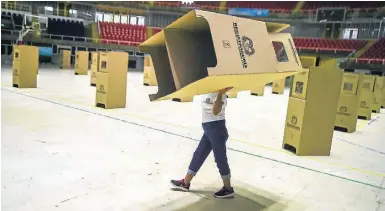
x=208, y=101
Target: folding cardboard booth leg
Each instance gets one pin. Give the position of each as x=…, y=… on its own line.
x=203, y=52
x=366, y=96
x=278, y=87
x=94, y=67
x=311, y=111
x=81, y=63
x=111, y=80
x=346, y=119
x=259, y=91
x=149, y=78
x=65, y=59
x=378, y=94
x=25, y=66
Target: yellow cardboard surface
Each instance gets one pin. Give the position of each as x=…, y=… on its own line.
x=308, y=61
x=94, y=67
x=65, y=59
x=378, y=94
x=25, y=66
x=111, y=80
x=299, y=86
x=278, y=86
x=149, y=78
x=310, y=122
x=258, y=91
x=347, y=109
x=81, y=62
x=366, y=96
x=204, y=52
x=232, y=94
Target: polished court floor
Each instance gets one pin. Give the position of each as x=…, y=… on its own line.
x=60, y=152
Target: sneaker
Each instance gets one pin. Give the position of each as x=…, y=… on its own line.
x=180, y=185
x=224, y=193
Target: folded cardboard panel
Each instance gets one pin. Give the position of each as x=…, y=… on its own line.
x=203, y=52
x=94, y=67
x=258, y=91
x=65, y=59
x=346, y=119
x=149, y=78
x=309, y=61
x=232, y=94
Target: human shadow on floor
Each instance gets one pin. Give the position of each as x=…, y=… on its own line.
x=244, y=200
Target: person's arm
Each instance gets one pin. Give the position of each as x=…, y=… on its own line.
x=218, y=102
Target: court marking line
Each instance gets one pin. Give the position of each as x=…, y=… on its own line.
x=190, y=138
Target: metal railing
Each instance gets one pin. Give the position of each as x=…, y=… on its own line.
x=16, y=6
x=66, y=13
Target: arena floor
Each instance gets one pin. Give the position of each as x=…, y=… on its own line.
x=60, y=152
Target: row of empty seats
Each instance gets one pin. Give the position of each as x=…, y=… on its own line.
x=17, y=18
x=375, y=54
x=272, y=6
x=321, y=44
x=313, y=5
x=119, y=33
x=64, y=27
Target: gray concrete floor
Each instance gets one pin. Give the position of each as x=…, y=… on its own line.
x=59, y=152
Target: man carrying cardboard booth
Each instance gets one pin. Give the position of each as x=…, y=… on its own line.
x=214, y=138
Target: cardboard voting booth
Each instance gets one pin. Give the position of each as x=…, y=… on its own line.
x=81, y=63
x=378, y=94
x=366, y=95
x=111, y=80
x=203, y=52
x=309, y=61
x=94, y=67
x=65, y=59
x=311, y=111
x=149, y=78
x=25, y=66
x=346, y=119
x=278, y=87
x=258, y=91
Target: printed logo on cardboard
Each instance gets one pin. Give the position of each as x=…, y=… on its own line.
x=343, y=111
x=226, y=44
x=363, y=104
x=101, y=90
x=293, y=122
x=245, y=45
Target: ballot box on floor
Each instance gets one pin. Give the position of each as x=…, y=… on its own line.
x=81, y=62
x=378, y=94
x=65, y=59
x=203, y=52
x=366, y=96
x=347, y=109
x=111, y=80
x=311, y=111
x=94, y=67
x=25, y=66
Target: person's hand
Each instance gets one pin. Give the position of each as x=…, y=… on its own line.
x=222, y=91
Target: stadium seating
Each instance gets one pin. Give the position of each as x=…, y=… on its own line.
x=375, y=54
x=314, y=5
x=67, y=27
x=272, y=6
x=321, y=44
x=156, y=30
x=119, y=33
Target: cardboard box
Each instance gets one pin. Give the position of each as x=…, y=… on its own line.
x=278, y=87
x=65, y=59
x=111, y=80
x=203, y=52
x=258, y=91
x=366, y=96
x=25, y=66
x=311, y=111
x=81, y=63
x=346, y=119
x=378, y=94
x=94, y=67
